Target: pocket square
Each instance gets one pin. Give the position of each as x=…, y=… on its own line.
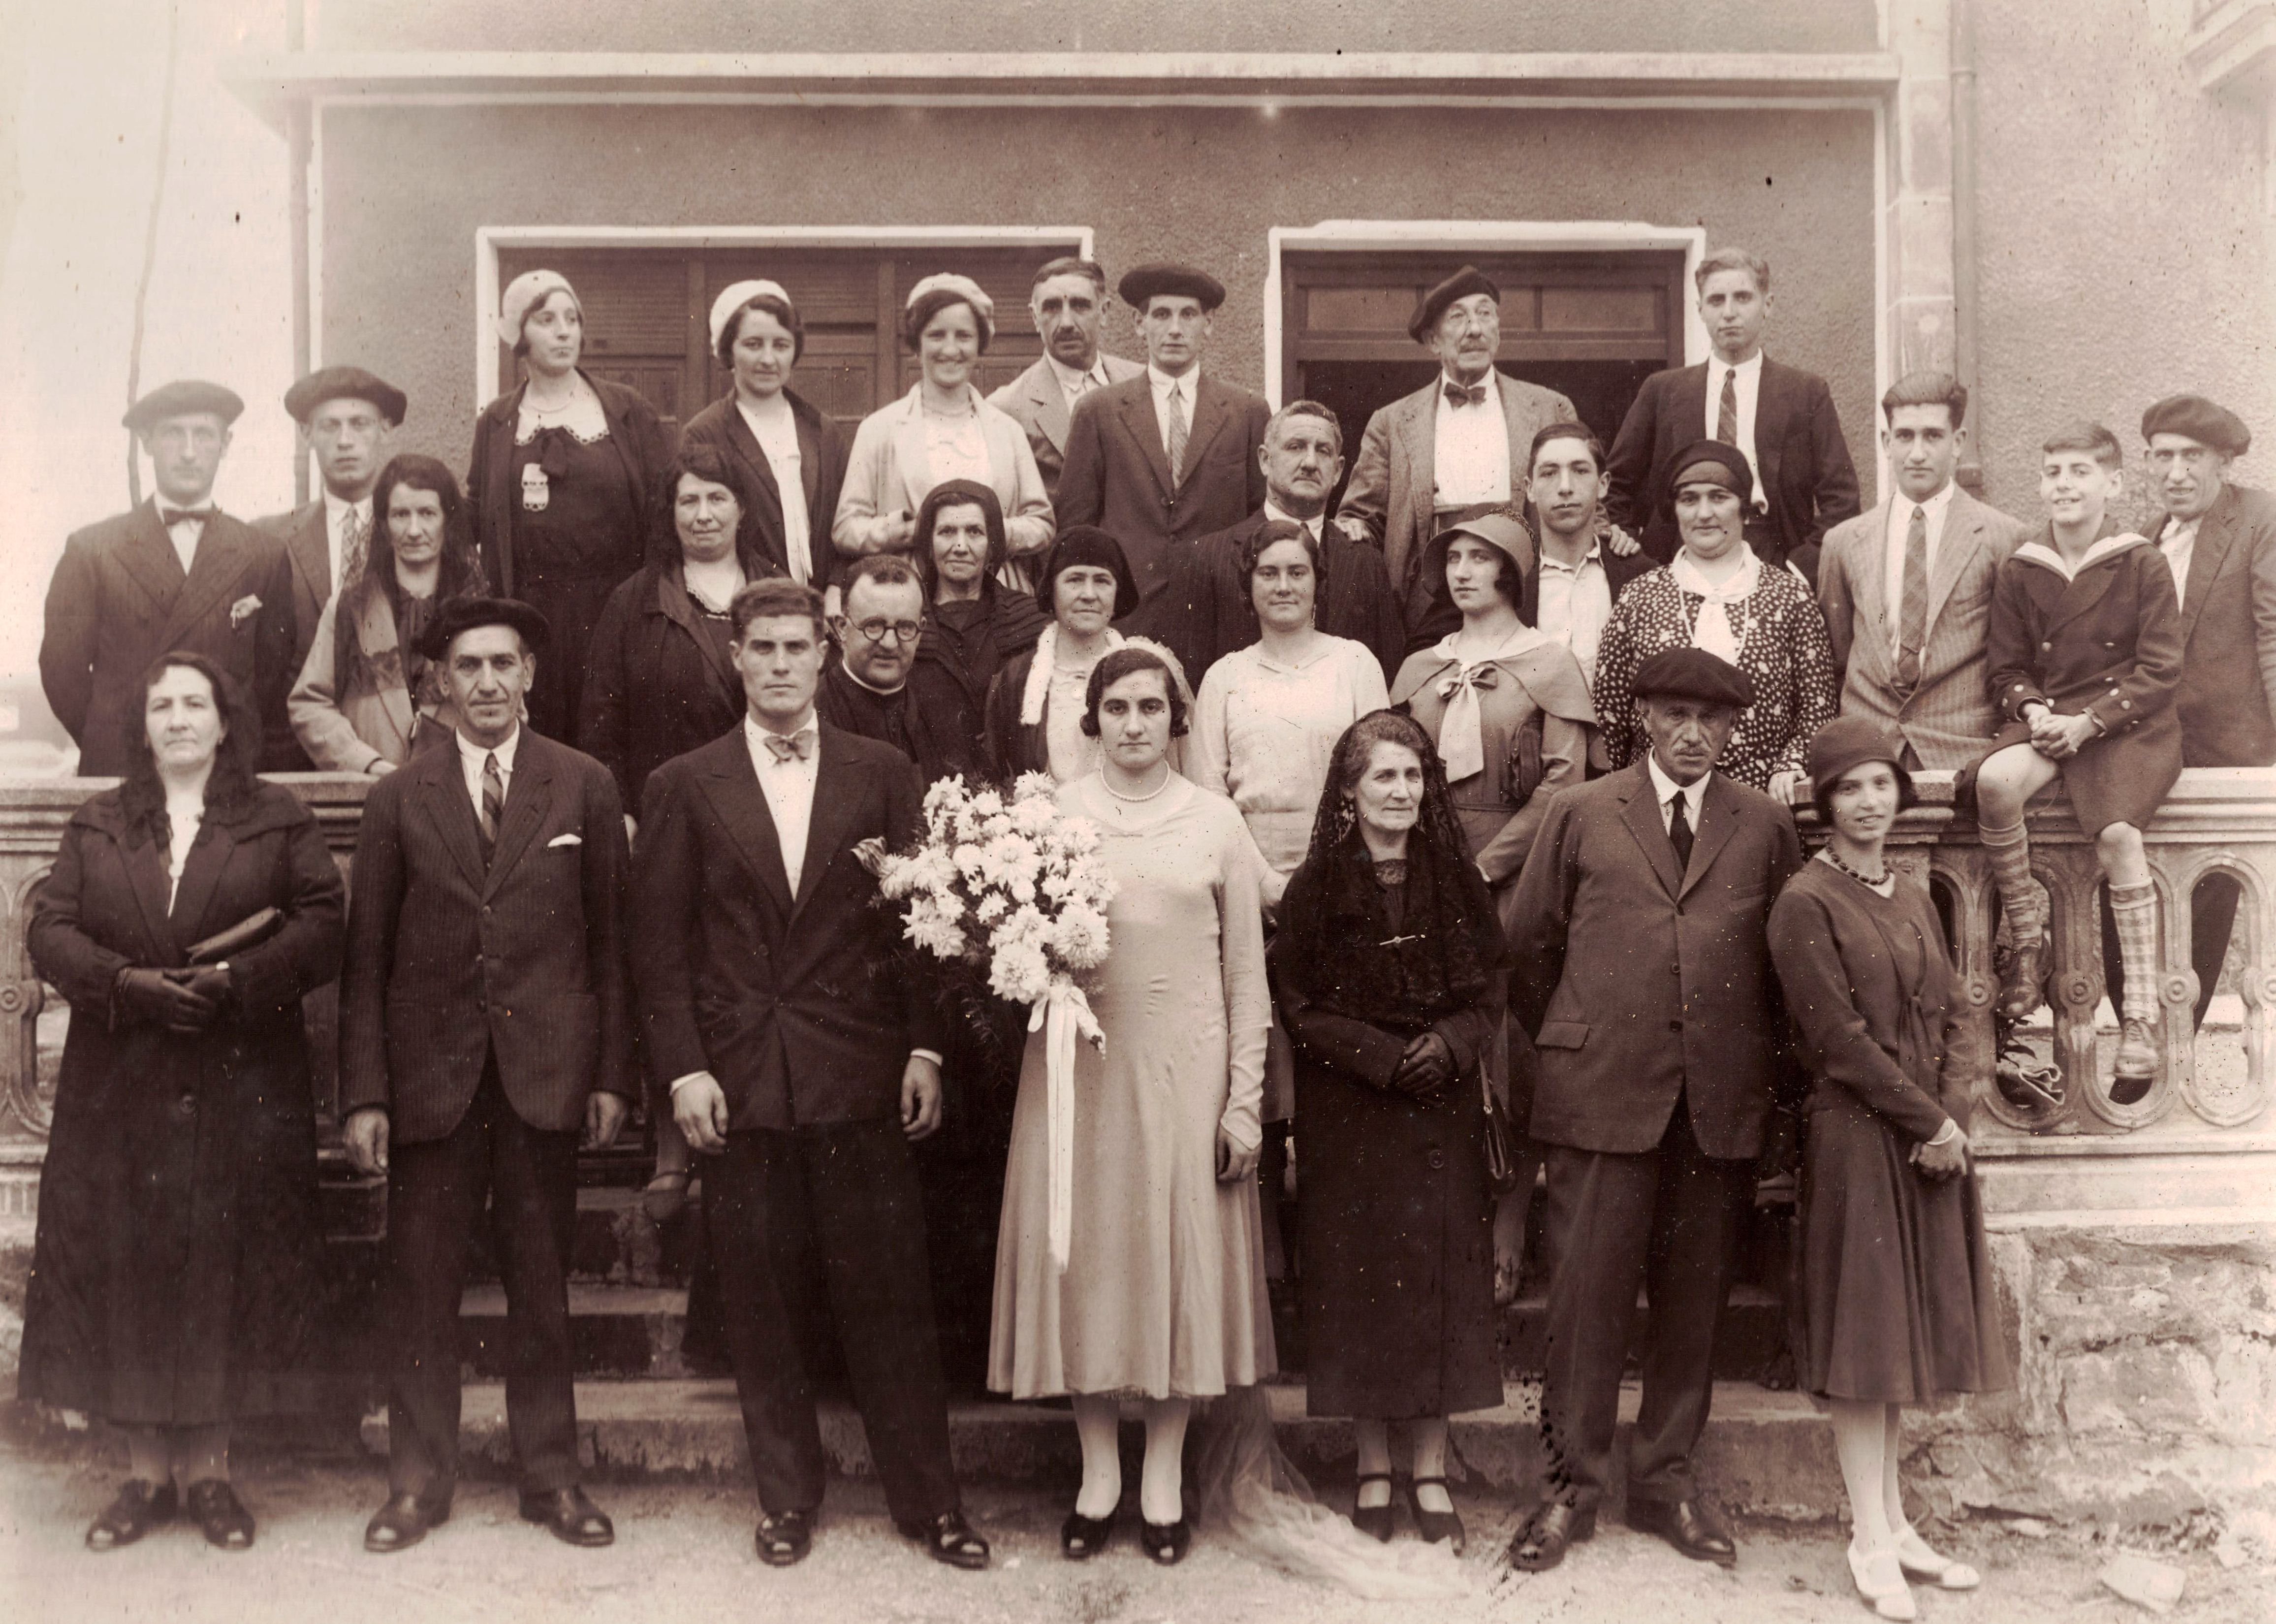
x=564, y=841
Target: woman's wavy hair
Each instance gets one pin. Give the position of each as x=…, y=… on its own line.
x=461, y=564
x=957, y=493
x=708, y=462
x=1120, y=663
x=1270, y=534
x=143, y=797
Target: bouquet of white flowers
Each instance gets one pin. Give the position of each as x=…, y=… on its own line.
x=1014, y=889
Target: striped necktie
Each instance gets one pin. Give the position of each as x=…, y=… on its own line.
x=1177, y=433
x=1912, y=617
x=1727, y=413
x=493, y=804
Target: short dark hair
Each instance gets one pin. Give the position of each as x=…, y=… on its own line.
x=1926, y=388
x=1734, y=259
x=777, y=595
x=1566, y=431
x=887, y=569
x=708, y=463
x=1120, y=663
x=1305, y=408
x=919, y=316
x=1907, y=796
x=1271, y=534
x=2085, y=436
x=1070, y=265
x=143, y=798
x=780, y=309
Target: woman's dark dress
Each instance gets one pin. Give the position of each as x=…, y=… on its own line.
x=176, y=1267
x=658, y=678
x=1394, y=1216
x=1897, y=1295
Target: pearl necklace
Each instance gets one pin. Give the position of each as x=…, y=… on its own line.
x=1864, y=880
x=1134, y=800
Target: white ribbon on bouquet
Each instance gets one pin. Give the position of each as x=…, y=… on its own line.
x=1063, y=1014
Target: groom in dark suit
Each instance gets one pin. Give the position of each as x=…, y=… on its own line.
x=483, y=1024
x=801, y=1058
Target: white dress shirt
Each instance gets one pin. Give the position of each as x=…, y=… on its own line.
x=183, y=533
x=1469, y=459
x=1749, y=374
x=1576, y=602
x=470, y=765
x=1275, y=512
x=1900, y=520
x=2178, y=541
x=338, y=515
x=1665, y=789
x=1074, y=385
x=1162, y=384
x=776, y=433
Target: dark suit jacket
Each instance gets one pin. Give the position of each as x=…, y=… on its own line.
x=801, y=1006
x=449, y=962
x=1207, y=611
x=822, y=452
x=641, y=440
x=1036, y=402
x=656, y=684
x=2228, y=700
x=1806, y=473
x=309, y=549
x=118, y=599
x=1641, y=985
x=1117, y=476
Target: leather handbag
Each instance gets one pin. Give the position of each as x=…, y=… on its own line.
x=250, y=931
x=1500, y=1143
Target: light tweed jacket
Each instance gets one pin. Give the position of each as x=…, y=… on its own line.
x=1948, y=719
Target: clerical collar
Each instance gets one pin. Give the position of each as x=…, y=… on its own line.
x=847, y=666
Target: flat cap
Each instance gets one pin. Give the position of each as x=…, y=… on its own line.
x=344, y=383
x=464, y=614
x=2202, y=421
x=180, y=397
x=1461, y=284
x=1712, y=462
x=1694, y=673
x=1140, y=285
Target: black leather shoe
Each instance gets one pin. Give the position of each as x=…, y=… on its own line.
x=136, y=1509
x=403, y=1522
x=949, y=1538
x=1688, y=1525
x=1376, y=1521
x=784, y=1537
x=569, y=1517
x=1081, y=1538
x=1542, y=1538
x=1432, y=1527
x=1166, y=1543
x=223, y=1517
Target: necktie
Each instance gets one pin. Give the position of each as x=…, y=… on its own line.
x=1726, y=414
x=798, y=746
x=1678, y=827
x=1466, y=394
x=355, y=537
x=1177, y=434
x=493, y=803
x=1912, y=620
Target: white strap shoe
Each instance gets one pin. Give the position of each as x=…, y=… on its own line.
x=1881, y=1580
x=1921, y=1561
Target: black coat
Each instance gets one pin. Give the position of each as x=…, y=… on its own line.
x=177, y=1264
x=931, y=720
x=642, y=441
x=822, y=449
x=118, y=599
x=656, y=684
x=2228, y=699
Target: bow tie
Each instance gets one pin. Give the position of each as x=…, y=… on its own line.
x=1484, y=675
x=798, y=746
x=169, y=517
x=1466, y=394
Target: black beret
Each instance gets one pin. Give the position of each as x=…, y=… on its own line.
x=344, y=383
x=1142, y=284
x=464, y=614
x=1694, y=673
x=1461, y=284
x=180, y=397
x=1087, y=544
x=2202, y=421
x=1688, y=465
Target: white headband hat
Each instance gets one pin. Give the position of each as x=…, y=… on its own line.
x=735, y=295
x=966, y=288
x=524, y=295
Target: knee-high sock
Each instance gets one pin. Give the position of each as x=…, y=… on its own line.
x=2010, y=851
x=2135, y=908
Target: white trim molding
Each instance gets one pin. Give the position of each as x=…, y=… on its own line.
x=490, y=238
x=268, y=82
x=1473, y=237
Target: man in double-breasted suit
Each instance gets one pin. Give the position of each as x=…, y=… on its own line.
x=1781, y=417
x=1453, y=450
x=1159, y=461
x=1907, y=588
x=801, y=1055
x=1642, y=974
x=1067, y=302
x=483, y=1024
x=175, y=572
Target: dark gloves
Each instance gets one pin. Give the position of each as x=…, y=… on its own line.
x=210, y=982
x=1424, y=1069
x=161, y=998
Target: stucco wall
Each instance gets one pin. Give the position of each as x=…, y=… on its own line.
x=406, y=189
x=1129, y=25
x=2126, y=254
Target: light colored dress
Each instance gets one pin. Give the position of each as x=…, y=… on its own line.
x=1164, y=1291
x=1265, y=734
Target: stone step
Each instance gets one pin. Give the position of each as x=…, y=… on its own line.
x=1764, y=1453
